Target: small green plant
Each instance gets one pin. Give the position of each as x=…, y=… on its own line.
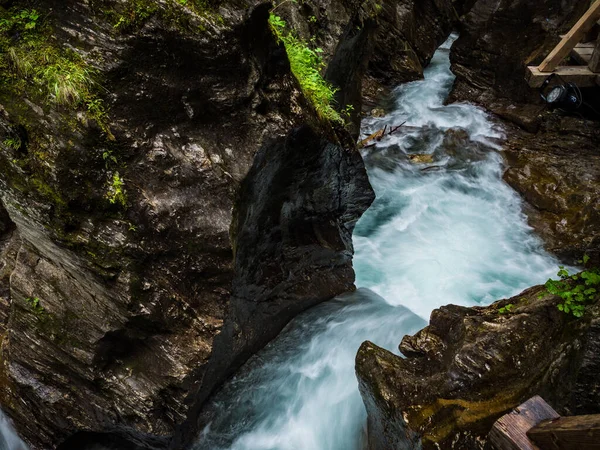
x=67, y=80
x=97, y=111
x=21, y=20
x=109, y=158
x=137, y=12
x=116, y=190
x=577, y=291
x=306, y=65
x=34, y=302
x=506, y=309
x=13, y=143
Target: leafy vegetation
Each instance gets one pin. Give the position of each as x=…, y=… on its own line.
x=13, y=143
x=306, y=65
x=577, y=291
x=116, y=190
x=31, y=61
x=34, y=302
x=506, y=309
x=136, y=13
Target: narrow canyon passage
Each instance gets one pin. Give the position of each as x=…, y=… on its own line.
x=444, y=229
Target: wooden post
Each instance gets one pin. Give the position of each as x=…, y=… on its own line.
x=568, y=433
x=509, y=432
x=571, y=39
x=594, y=64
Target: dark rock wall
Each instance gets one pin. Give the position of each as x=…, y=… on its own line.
x=498, y=39
x=111, y=309
x=293, y=245
x=472, y=365
x=557, y=171
x=411, y=32
x=420, y=28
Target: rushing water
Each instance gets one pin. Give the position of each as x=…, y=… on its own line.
x=445, y=231
x=8, y=438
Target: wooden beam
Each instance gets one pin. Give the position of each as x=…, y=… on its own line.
x=568, y=433
x=582, y=55
x=582, y=76
x=594, y=64
x=571, y=39
x=509, y=432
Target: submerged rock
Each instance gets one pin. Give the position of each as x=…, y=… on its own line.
x=472, y=365
x=420, y=158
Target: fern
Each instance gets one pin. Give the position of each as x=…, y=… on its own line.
x=306, y=65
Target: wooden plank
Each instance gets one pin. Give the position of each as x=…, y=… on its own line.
x=568, y=433
x=594, y=64
x=582, y=76
x=571, y=38
x=582, y=55
x=509, y=432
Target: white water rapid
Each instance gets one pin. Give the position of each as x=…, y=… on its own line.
x=8, y=437
x=445, y=231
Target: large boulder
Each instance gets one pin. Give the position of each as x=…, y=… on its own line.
x=557, y=171
x=472, y=365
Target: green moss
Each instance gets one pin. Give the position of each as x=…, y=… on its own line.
x=306, y=65
x=34, y=302
x=135, y=15
x=47, y=191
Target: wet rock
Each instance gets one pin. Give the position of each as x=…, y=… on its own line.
x=410, y=34
x=9, y=246
x=292, y=228
x=420, y=158
x=377, y=112
x=498, y=39
x=472, y=365
x=557, y=171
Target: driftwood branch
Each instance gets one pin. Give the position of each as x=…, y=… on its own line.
x=378, y=136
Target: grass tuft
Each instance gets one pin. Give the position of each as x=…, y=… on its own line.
x=68, y=82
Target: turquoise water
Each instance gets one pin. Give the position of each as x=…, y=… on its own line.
x=447, y=231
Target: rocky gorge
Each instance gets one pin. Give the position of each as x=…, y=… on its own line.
x=161, y=229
